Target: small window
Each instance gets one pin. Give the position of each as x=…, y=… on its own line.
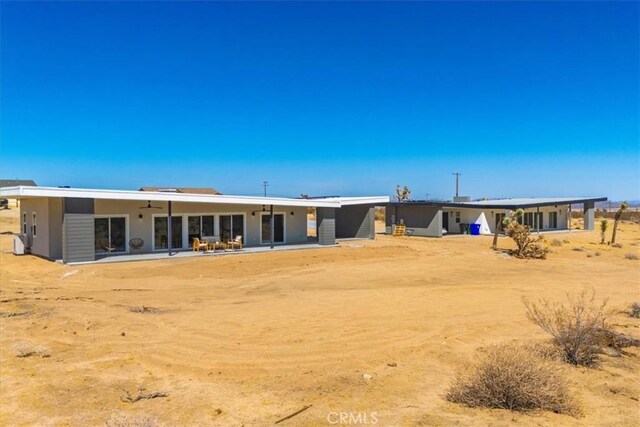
x=457, y=217
x=24, y=223
x=33, y=224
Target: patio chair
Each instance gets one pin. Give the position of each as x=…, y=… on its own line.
x=215, y=244
x=106, y=246
x=136, y=244
x=198, y=245
x=235, y=243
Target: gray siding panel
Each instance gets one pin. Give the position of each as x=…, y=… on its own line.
x=326, y=225
x=423, y=220
x=78, y=236
x=356, y=221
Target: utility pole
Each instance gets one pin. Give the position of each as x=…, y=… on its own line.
x=265, y=184
x=457, y=174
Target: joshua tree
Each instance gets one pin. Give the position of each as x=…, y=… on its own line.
x=528, y=247
x=402, y=194
x=623, y=207
x=604, y=224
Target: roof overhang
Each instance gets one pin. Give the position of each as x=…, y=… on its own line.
x=25, y=192
x=510, y=204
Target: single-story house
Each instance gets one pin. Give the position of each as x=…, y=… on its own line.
x=432, y=218
x=73, y=224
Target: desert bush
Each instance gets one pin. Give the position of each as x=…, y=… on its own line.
x=597, y=253
x=579, y=249
x=631, y=256
x=576, y=327
x=634, y=310
x=527, y=245
x=566, y=241
x=512, y=377
x=616, y=245
x=556, y=242
x=24, y=349
x=604, y=224
x=122, y=420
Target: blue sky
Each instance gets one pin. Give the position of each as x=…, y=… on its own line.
x=524, y=99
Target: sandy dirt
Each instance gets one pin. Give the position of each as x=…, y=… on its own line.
x=247, y=340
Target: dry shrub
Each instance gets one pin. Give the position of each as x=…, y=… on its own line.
x=616, y=245
x=144, y=309
x=631, y=256
x=634, y=310
x=527, y=246
x=579, y=249
x=576, y=327
x=515, y=378
x=24, y=349
x=556, y=242
x=122, y=420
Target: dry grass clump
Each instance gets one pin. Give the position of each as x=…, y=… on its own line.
x=24, y=349
x=616, y=245
x=634, y=310
x=122, y=420
x=579, y=249
x=144, y=309
x=512, y=377
x=556, y=242
x=631, y=256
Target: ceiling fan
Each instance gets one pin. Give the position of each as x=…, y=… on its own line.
x=149, y=206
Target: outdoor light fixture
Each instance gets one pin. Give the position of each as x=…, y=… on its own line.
x=253, y=213
x=140, y=216
x=291, y=213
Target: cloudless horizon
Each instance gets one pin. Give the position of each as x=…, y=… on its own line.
x=339, y=98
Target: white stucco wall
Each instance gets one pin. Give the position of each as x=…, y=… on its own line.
x=473, y=216
x=295, y=225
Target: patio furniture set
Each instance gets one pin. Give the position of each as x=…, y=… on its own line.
x=211, y=244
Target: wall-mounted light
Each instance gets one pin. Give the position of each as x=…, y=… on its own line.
x=291, y=213
x=253, y=213
x=140, y=216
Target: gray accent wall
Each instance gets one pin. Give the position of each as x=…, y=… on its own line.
x=357, y=221
x=589, y=215
x=78, y=238
x=55, y=228
x=423, y=220
x=326, y=226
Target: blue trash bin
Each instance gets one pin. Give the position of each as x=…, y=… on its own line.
x=475, y=229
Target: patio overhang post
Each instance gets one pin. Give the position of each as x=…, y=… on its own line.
x=169, y=227
x=271, y=229
x=569, y=218
x=538, y=219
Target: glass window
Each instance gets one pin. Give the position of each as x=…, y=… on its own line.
x=33, y=224
x=160, y=234
x=24, y=223
x=110, y=232
x=278, y=228
x=194, y=228
x=207, y=225
x=458, y=217
x=231, y=226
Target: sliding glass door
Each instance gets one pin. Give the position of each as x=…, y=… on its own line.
x=231, y=226
x=160, y=227
x=110, y=232
x=278, y=228
x=200, y=226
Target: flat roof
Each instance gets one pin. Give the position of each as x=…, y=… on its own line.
x=26, y=192
x=516, y=203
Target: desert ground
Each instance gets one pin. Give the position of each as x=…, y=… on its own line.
x=250, y=339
